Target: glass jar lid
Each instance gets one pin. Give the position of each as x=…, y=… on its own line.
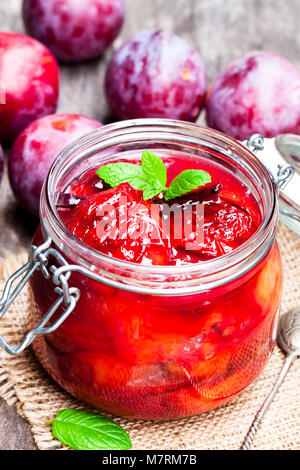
x=281, y=156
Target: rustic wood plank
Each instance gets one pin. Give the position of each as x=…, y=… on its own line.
x=14, y=431
x=220, y=31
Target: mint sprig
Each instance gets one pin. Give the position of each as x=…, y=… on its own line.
x=83, y=430
x=151, y=177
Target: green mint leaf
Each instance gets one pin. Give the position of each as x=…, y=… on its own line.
x=155, y=170
x=83, y=430
x=186, y=181
x=117, y=173
x=150, y=192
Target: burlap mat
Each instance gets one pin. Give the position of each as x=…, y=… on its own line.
x=38, y=398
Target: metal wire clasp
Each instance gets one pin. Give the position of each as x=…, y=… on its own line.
x=281, y=170
x=68, y=296
x=255, y=143
x=285, y=172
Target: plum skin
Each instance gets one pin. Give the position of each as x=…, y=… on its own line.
x=257, y=93
x=74, y=31
x=156, y=75
x=34, y=151
x=29, y=81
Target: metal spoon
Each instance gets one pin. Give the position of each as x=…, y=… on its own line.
x=289, y=341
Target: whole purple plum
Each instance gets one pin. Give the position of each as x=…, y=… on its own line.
x=258, y=93
x=156, y=75
x=1, y=163
x=29, y=82
x=35, y=150
x=74, y=30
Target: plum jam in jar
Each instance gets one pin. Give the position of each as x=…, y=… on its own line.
x=167, y=325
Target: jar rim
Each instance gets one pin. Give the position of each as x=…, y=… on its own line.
x=211, y=272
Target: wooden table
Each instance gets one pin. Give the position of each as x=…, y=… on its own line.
x=219, y=30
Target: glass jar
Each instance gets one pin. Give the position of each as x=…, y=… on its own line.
x=154, y=342
x=157, y=342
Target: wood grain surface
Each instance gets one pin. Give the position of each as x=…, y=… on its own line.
x=220, y=30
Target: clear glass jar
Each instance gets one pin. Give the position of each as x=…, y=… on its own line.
x=159, y=342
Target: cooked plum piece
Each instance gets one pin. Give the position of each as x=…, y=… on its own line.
x=207, y=225
x=119, y=223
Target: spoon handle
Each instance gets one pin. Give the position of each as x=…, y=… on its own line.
x=261, y=412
